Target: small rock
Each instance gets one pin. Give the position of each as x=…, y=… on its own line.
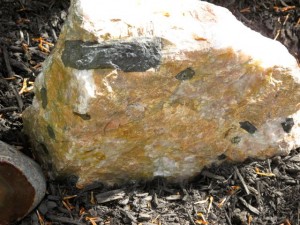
x=43, y=208
x=51, y=205
x=22, y=184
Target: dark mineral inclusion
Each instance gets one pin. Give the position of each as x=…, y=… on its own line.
x=249, y=127
x=186, y=74
x=288, y=125
x=129, y=56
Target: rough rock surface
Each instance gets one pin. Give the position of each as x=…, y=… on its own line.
x=138, y=89
x=22, y=184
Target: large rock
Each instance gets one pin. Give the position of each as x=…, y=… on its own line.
x=22, y=184
x=137, y=89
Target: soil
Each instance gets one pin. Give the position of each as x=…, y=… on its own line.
x=255, y=192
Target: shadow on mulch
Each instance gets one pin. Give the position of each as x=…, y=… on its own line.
x=255, y=192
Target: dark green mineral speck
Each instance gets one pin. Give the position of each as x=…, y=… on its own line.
x=249, y=127
x=44, y=97
x=186, y=74
x=236, y=140
x=51, y=132
x=288, y=125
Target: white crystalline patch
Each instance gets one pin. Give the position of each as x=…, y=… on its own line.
x=165, y=167
x=230, y=32
x=184, y=21
x=108, y=80
x=87, y=89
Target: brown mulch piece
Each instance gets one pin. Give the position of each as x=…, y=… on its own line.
x=255, y=192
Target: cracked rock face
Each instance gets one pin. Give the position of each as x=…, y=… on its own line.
x=139, y=89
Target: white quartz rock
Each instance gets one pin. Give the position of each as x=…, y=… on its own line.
x=137, y=89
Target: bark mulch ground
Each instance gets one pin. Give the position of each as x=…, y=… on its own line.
x=255, y=192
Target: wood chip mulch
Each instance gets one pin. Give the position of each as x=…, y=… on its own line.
x=255, y=192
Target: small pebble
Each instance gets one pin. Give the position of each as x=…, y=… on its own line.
x=51, y=204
